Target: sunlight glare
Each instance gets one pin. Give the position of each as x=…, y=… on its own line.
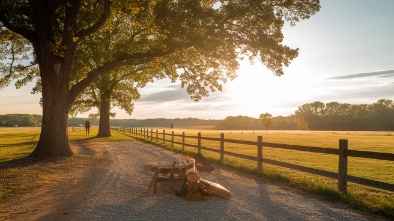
x=258, y=90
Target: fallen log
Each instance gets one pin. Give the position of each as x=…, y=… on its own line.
x=215, y=189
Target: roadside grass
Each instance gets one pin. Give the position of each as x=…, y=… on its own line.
x=21, y=174
x=359, y=196
x=80, y=135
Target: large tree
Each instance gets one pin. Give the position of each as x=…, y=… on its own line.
x=214, y=33
x=118, y=88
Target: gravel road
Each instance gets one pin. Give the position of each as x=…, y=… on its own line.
x=120, y=192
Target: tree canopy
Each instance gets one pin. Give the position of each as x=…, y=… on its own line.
x=22, y=120
x=342, y=116
x=266, y=120
x=197, y=41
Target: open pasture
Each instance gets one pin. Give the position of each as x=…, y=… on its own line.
x=380, y=141
x=17, y=142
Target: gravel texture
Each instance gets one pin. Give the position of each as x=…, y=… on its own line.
x=119, y=191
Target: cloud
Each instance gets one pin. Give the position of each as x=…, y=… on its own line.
x=381, y=74
x=365, y=93
x=15, y=95
x=373, y=92
x=170, y=93
x=174, y=92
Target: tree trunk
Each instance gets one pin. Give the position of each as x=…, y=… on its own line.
x=55, y=75
x=53, y=140
x=105, y=106
x=55, y=48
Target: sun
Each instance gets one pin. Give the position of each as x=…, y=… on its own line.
x=257, y=90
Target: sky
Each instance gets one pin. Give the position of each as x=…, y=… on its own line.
x=346, y=54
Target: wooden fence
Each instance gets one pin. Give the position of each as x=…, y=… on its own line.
x=343, y=152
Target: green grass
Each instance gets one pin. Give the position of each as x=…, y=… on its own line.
x=19, y=142
x=359, y=196
x=81, y=135
x=16, y=142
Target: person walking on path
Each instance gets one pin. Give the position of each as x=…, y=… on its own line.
x=87, y=126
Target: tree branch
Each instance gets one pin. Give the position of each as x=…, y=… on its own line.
x=95, y=27
x=54, y=4
x=123, y=60
x=24, y=32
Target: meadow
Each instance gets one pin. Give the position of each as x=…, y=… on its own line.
x=17, y=143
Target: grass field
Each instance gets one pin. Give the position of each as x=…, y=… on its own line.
x=359, y=196
x=17, y=143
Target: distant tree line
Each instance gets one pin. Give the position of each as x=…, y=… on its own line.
x=154, y=122
x=343, y=116
x=320, y=116
x=250, y=123
x=164, y=122
x=311, y=116
x=20, y=120
x=76, y=122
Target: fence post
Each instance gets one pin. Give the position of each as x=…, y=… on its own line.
x=157, y=134
x=151, y=134
x=221, y=147
x=342, y=168
x=164, y=136
x=260, y=154
x=140, y=132
x=172, y=139
x=183, y=141
x=199, y=143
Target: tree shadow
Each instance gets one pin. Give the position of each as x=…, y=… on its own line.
x=30, y=143
x=29, y=161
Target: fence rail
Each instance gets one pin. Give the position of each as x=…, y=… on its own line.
x=343, y=152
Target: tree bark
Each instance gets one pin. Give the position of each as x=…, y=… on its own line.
x=53, y=140
x=55, y=72
x=105, y=107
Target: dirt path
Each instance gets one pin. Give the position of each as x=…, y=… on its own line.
x=119, y=191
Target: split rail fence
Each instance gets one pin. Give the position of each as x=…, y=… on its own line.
x=343, y=152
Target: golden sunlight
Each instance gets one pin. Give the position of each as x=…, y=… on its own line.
x=258, y=89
